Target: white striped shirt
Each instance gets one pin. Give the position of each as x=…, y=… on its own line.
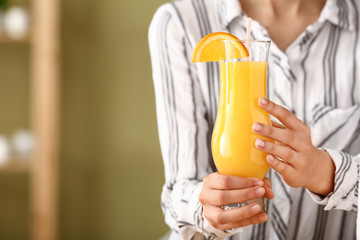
x=317, y=78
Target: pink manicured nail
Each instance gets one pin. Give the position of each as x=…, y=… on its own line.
x=255, y=208
x=260, y=191
x=257, y=127
x=270, y=159
x=259, y=143
x=263, y=101
x=259, y=183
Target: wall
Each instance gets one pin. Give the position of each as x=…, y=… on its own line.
x=111, y=171
x=111, y=168
x=14, y=112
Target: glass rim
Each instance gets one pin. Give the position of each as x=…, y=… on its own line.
x=246, y=40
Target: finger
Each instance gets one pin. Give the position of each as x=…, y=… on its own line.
x=276, y=124
x=281, y=135
x=226, y=219
x=225, y=197
x=258, y=218
x=267, y=182
x=280, y=144
x=227, y=182
x=281, y=167
x=282, y=114
x=268, y=189
x=282, y=152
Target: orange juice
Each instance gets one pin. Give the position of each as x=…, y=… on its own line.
x=233, y=141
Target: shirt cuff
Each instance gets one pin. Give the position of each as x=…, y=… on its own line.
x=345, y=179
x=214, y=233
x=221, y=234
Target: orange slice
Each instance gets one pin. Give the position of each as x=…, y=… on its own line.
x=211, y=48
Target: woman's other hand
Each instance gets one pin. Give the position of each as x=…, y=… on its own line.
x=219, y=190
x=293, y=155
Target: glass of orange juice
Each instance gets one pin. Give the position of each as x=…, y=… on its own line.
x=242, y=82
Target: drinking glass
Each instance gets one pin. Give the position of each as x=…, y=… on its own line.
x=242, y=83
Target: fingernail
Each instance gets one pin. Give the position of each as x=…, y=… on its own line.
x=259, y=183
x=263, y=101
x=255, y=208
x=260, y=191
x=263, y=217
x=259, y=143
x=257, y=127
x=270, y=159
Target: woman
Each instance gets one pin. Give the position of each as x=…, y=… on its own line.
x=313, y=76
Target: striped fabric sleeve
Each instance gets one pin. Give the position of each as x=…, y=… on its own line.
x=182, y=125
x=346, y=185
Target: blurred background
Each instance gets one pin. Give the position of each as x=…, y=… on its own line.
x=110, y=170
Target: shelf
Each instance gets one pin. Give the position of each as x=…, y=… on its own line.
x=16, y=166
x=43, y=42
x=6, y=39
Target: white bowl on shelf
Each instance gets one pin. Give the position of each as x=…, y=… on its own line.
x=16, y=23
x=4, y=150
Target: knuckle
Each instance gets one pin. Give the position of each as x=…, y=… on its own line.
x=289, y=154
x=219, y=218
x=224, y=182
x=221, y=198
x=202, y=197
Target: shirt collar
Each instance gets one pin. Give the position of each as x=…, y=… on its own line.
x=230, y=9
x=342, y=13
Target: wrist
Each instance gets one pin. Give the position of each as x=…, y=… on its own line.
x=323, y=175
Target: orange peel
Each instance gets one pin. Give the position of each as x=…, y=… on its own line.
x=211, y=48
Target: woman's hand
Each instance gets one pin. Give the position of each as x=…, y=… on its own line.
x=219, y=190
x=292, y=155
